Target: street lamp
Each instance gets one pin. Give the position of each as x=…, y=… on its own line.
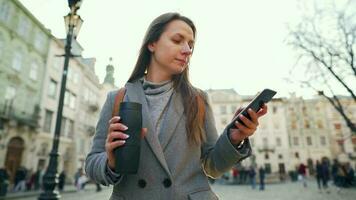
x=73, y=23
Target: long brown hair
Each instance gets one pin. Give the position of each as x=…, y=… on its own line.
x=194, y=101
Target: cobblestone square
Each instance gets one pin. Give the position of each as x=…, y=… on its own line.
x=286, y=191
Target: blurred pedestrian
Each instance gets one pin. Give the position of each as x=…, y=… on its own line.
x=325, y=174
x=77, y=175
x=36, y=179
x=350, y=175
x=20, y=179
x=61, y=180
x=4, y=182
x=335, y=171
x=235, y=173
x=319, y=173
x=82, y=181
x=29, y=180
x=252, y=177
x=302, y=173
x=262, y=175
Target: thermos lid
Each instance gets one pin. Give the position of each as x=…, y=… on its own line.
x=130, y=106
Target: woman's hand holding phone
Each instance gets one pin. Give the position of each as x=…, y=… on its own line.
x=243, y=130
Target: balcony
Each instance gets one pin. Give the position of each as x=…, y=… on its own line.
x=265, y=149
x=93, y=107
x=89, y=130
x=16, y=117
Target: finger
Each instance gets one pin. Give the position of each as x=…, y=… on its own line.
x=113, y=145
x=114, y=119
x=238, y=111
x=252, y=115
x=248, y=122
x=244, y=129
x=262, y=111
x=118, y=135
x=117, y=127
x=143, y=132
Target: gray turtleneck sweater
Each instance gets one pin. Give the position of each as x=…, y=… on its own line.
x=158, y=96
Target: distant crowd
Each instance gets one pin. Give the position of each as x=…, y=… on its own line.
x=342, y=175
x=27, y=180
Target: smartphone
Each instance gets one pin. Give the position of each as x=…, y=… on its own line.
x=264, y=97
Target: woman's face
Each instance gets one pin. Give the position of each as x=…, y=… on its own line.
x=173, y=49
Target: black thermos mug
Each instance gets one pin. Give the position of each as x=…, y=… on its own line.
x=128, y=155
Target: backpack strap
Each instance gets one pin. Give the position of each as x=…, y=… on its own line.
x=118, y=99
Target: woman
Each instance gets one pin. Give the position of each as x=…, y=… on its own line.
x=181, y=147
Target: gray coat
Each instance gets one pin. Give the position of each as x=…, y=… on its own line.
x=169, y=167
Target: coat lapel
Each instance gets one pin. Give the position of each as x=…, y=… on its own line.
x=172, y=118
x=135, y=93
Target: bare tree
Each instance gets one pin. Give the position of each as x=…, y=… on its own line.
x=326, y=45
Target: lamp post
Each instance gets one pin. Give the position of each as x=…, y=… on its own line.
x=73, y=23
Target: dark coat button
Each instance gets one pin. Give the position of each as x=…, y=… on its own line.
x=167, y=182
x=142, y=183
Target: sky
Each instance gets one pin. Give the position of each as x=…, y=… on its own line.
x=239, y=44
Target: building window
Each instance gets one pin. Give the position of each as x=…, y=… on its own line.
x=17, y=61
x=33, y=71
x=5, y=11
x=70, y=99
x=10, y=93
x=294, y=125
x=23, y=27
x=320, y=124
x=309, y=141
x=63, y=127
x=295, y=141
x=52, y=89
x=296, y=155
x=304, y=110
x=274, y=109
x=222, y=109
x=337, y=126
x=66, y=98
x=39, y=40
x=266, y=156
x=70, y=129
x=48, y=121
x=323, y=140
x=306, y=124
x=278, y=141
x=280, y=156
x=268, y=168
